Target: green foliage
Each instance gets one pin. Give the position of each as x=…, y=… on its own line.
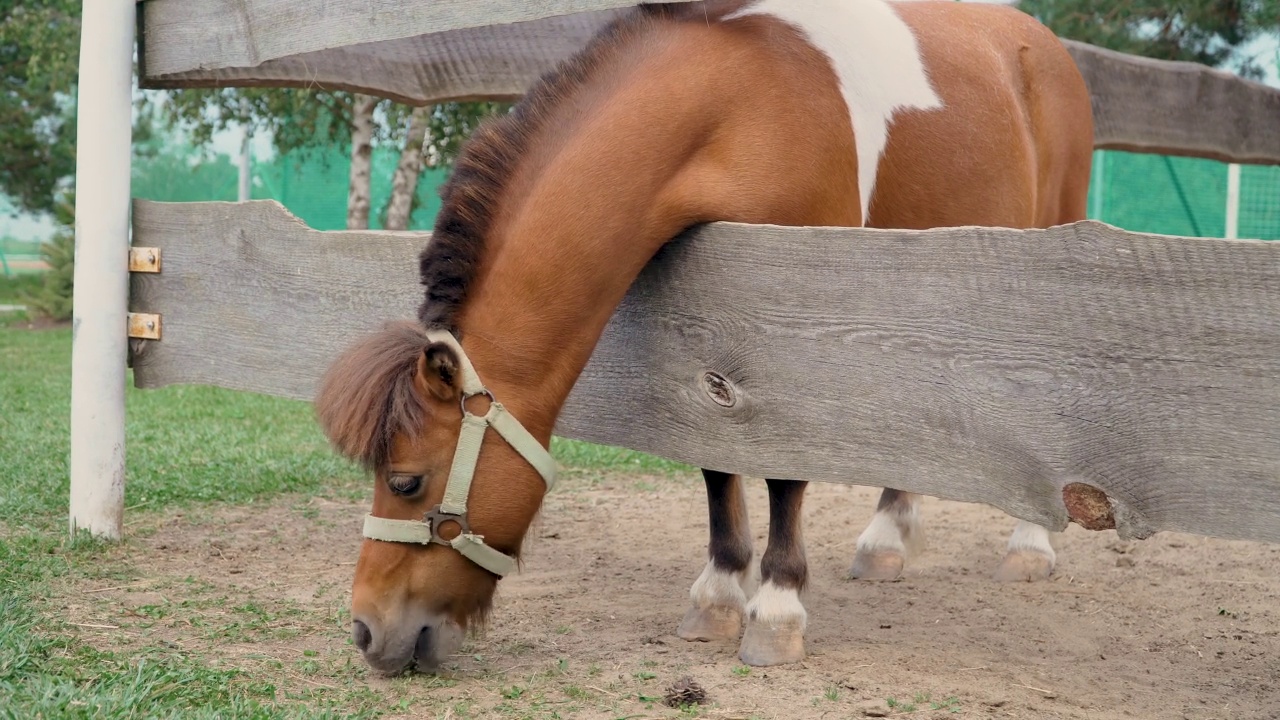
x=308, y=124
x=16, y=287
x=1204, y=31
x=52, y=298
x=39, y=50
x=451, y=125
x=301, y=119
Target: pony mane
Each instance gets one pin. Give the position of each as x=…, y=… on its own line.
x=368, y=396
x=470, y=198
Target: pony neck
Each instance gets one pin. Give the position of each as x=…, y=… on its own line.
x=582, y=215
x=696, y=124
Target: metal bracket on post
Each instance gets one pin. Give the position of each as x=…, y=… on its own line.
x=144, y=259
x=144, y=325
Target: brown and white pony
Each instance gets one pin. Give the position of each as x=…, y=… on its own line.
x=823, y=112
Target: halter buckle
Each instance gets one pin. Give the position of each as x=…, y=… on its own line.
x=435, y=516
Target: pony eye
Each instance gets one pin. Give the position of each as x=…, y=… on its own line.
x=404, y=484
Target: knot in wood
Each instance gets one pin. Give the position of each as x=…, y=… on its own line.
x=719, y=389
x=1088, y=506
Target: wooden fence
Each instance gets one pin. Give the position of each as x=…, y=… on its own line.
x=1119, y=379
x=980, y=364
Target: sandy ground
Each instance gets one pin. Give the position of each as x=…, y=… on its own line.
x=1170, y=627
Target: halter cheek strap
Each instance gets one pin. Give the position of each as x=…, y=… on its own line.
x=453, y=508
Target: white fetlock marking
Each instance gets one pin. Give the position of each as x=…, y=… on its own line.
x=777, y=606
x=893, y=530
x=718, y=587
x=1029, y=537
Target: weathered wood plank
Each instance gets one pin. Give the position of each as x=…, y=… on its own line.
x=419, y=52
x=976, y=364
x=1179, y=108
x=414, y=53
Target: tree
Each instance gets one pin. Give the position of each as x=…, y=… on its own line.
x=39, y=51
x=299, y=119
x=1210, y=32
x=433, y=138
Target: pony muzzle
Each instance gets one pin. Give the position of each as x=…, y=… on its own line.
x=422, y=643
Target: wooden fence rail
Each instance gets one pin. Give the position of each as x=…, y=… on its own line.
x=975, y=364
x=420, y=52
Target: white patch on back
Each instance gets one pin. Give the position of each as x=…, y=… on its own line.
x=877, y=63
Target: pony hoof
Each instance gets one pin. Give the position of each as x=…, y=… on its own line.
x=764, y=645
x=714, y=622
x=1024, y=566
x=876, y=565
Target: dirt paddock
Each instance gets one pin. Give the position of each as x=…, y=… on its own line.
x=1171, y=627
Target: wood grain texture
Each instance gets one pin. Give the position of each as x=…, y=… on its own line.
x=420, y=53
x=975, y=364
x=253, y=299
x=1178, y=108
x=413, y=52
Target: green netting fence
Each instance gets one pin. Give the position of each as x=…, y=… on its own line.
x=1182, y=196
x=1139, y=192
x=312, y=184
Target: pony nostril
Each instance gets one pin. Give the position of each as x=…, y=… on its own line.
x=361, y=634
x=422, y=648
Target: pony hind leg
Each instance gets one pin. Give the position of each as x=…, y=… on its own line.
x=893, y=535
x=717, y=596
x=1030, y=555
x=776, y=619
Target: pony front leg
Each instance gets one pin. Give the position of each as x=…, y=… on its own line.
x=775, y=617
x=717, y=595
x=1030, y=556
x=893, y=535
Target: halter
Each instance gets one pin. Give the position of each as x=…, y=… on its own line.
x=454, y=506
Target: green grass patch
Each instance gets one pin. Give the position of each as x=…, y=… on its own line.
x=183, y=444
x=586, y=456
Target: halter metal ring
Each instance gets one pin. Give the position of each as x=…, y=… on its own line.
x=436, y=516
x=467, y=396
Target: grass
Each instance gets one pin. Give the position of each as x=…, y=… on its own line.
x=186, y=446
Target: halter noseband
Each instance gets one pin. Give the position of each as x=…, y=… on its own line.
x=454, y=506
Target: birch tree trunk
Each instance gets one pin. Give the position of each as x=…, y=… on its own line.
x=404, y=184
x=358, y=200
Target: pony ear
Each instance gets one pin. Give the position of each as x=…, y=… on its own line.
x=438, y=372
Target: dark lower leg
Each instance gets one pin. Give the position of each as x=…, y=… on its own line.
x=784, y=563
x=729, y=547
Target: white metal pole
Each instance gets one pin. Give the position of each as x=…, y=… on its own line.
x=100, y=316
x=1099, y=184
x=1233, y=201
x=246, y=159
